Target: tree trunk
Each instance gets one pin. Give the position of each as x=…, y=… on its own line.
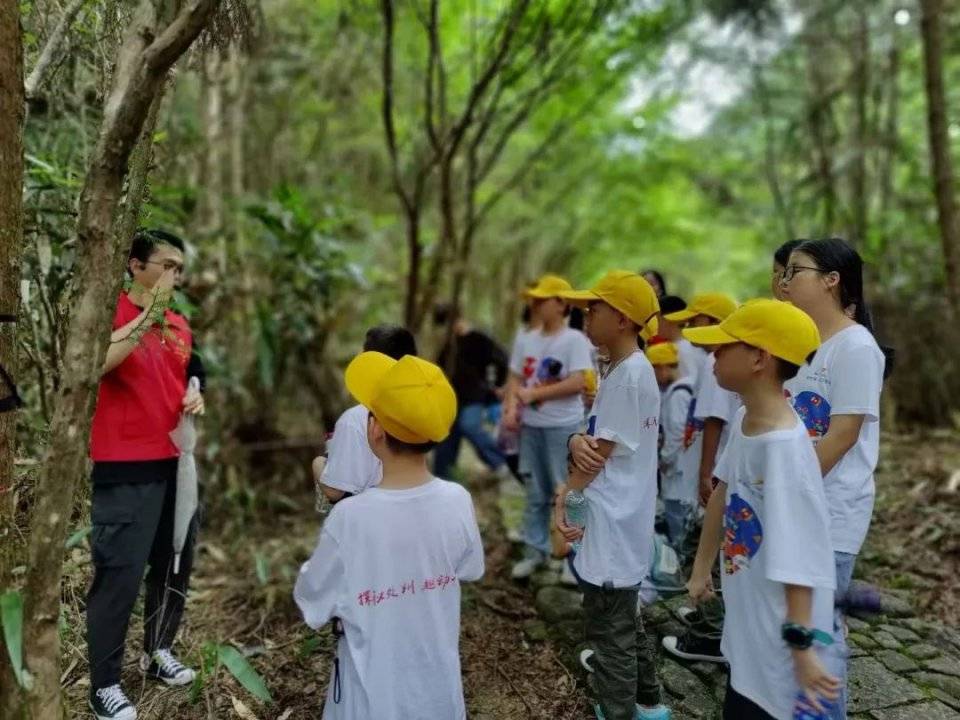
x=11, y=236
x=940, y=160
x=414, y=259
x=147, y=53
x=859, y=200
x=816, y=117
x=212, y=205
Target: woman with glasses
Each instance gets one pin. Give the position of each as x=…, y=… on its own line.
x=837, y=394
x=781, y=258
x=142, y=393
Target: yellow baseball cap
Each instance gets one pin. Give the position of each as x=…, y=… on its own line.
x=715, y=305
x=664, y=353
x=783, y=330
x=626, y=292
x=410, y=397
x=548, y=286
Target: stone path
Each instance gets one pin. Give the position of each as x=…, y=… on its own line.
x=901, y=667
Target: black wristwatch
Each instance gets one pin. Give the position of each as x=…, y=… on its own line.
x=800, y=638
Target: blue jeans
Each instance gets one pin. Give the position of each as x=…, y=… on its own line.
x=677, y=513
x=469, y=425
x=844, y=564
x=543, y=467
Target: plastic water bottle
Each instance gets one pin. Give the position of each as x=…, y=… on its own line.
x=803, y=710
x=575, y=508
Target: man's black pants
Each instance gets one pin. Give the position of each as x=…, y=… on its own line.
x=133, y=528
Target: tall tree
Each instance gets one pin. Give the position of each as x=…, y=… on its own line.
x=11, y=232
x=931, y=28
x=155, y=39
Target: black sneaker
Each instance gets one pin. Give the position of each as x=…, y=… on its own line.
x=163, y=666
x=110, y=703
x=693, y=646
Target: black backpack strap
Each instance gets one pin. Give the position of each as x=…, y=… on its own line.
x=682, y=386
x=12, y=401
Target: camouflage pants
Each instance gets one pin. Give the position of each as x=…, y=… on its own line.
x=625, y=672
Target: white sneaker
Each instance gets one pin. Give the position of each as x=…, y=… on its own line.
x=567, y=577
x=110, y=703
x=163, y=666
x=585, y=656
x=525, y=568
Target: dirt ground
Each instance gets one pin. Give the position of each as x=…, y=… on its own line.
x=245, y=571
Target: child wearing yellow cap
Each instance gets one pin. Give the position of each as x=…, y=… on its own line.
x=768, y=521
x=389, y=562
x=676, y=395
x=350, y=467
x=615, y=467
x=548, y=368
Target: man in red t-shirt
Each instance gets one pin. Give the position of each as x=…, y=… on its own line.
x=142, y=393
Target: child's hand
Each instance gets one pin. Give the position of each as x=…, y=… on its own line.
x=570, y=533
x=585, y=453
x=319, y=463
x=700, y=588
x=706, y=489
x=814, y=680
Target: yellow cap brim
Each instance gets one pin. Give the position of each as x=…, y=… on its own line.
x=710, y=335
x=580, y=298
x=364, y=373
x=680, y=316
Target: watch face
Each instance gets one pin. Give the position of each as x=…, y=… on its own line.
x=797, y=636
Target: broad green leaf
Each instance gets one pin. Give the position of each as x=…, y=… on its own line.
x=263, y=568
x=11, y=613
x=244, y=673
x=77, y=537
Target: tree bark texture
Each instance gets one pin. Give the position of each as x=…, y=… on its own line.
x=931, y=28
x=12, y=111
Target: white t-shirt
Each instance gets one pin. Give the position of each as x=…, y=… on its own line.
x=775, y=533
x=691, y=358
x=389, y=564
x=618, y=537
x=691, y=449
x=351, y=465
x=674, y=408
x=845, y=378
x=544, y=359
x=715, y=402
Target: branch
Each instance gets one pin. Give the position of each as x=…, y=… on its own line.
x=179, y=35
x=386, y=7
x=556, y=134
x=433, y=58
x=54, y=44
x=479, y=89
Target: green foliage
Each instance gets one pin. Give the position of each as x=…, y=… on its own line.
x=11, y=615
x=237, y=664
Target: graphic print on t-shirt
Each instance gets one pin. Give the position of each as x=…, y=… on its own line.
x=592, y=425
x=549, y=371
x=742, y=535
x=693, y=427
x=814, y=410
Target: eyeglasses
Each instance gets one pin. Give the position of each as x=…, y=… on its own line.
x=791, y=270
x=168, y=265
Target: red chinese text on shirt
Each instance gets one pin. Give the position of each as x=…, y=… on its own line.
x=375, y=597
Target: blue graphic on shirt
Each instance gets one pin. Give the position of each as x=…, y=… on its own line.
x=549, y=371
x=693, y=427
x=814, y=410
x=742, y=535
x=592, y=425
